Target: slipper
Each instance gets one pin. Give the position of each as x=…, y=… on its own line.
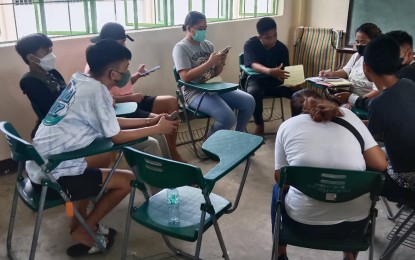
x=82, y=250
x=106, y=230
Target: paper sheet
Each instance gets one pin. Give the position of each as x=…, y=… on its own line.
x=296, y=75
x=340, y=83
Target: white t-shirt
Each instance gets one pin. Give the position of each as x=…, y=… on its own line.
x=302, y=142
x=354, y=69
x=81, y=113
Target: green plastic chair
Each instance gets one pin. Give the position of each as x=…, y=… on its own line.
x=330, y=186
x=199, y=207
x=22, y=151
x=190, y=113
x=247, y=73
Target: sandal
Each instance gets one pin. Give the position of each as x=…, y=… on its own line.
x=106, y=230
x=82, y=250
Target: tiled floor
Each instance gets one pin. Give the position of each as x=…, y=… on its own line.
x=246, y=232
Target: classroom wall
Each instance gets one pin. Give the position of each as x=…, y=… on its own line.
x=326, y=14
x=151, y=47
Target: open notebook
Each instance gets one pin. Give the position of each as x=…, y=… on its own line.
x=336, y=83
x=296, y=76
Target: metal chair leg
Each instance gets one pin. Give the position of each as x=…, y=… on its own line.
x=397, y=240
x=10, y=253
x=38, y=222
x=176, y=250
x=390, y=214
x=282, y=110
x=127, y=224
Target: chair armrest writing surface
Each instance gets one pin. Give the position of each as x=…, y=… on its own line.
x=251, y=72
x=125, y=108
x=231, y=148
x=98, y=146
x=219, y=87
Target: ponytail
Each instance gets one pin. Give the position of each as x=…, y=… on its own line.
x=321, y=110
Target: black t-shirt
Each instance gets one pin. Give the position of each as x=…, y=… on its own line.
x=392, y=118
x=407, y=72
x=255, y=52
x=42, y=91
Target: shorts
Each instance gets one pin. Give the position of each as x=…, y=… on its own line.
x=144, y=108
x=77, y=187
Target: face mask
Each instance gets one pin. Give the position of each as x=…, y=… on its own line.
x=125, y=77
x=48, y=62
x=200, y=35
x=361, y=49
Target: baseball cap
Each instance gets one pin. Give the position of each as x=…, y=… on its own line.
x=113, y=31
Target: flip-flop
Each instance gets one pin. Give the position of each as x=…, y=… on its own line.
x=106, y=230
x=82, y=250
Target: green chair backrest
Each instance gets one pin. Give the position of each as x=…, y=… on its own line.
x=176, y=74
x=241, y=59
x=162, y=173
x=21, y=150
x=332, y=185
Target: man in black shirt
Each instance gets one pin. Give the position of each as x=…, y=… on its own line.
x=43, y=83
x=266, y=55
x=392, y=116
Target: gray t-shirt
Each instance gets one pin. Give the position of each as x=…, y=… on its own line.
x=187, y=56
x=81, y=113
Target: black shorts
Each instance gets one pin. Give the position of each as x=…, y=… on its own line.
x=144, y=108
x=77, y=187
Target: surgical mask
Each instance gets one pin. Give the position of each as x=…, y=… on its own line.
x=125, y=77
x=200, y=35
x=48, y=62
x=361, y=49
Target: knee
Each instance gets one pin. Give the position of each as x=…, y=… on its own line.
x=228, y=119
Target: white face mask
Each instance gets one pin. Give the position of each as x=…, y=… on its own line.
x=48, y=62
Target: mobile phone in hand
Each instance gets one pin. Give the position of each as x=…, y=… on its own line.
x=226, y=50
x=174, y=116
x=147, y=72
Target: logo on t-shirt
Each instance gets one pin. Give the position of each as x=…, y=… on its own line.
x=61, y=106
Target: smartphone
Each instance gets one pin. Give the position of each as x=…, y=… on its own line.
x=226, y=50
x=174, y=116
x=149, y=71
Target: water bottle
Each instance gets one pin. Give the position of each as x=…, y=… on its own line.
x=173, y=204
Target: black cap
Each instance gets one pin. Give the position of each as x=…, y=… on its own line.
x=113, y=31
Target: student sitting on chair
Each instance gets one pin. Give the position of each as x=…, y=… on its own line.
x=196, y=61
x=353, y=71
x=43, y=83
x=82, y=113
x=407, y=69
x=147, y=106
x=266, y=55
x=311, y=138
x=392, y=117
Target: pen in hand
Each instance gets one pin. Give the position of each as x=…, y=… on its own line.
x=324, y=73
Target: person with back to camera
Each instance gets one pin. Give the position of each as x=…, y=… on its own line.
x=267, y=55
x=353, y=71
x=310, y=138
x=392, y=117
x=147, y=106
x=196, y=61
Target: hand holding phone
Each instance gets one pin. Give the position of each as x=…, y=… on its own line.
x=174, y=116
x=147, y=72
x=226, y=50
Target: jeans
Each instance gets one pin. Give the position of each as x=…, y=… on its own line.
x=220, y=106
x=260, y=88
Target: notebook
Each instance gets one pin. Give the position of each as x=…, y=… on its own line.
x=296, y=76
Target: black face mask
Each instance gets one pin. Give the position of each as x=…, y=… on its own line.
x=361, y=49
x=401, y=62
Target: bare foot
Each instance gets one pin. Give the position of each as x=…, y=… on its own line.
x=81, y=236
